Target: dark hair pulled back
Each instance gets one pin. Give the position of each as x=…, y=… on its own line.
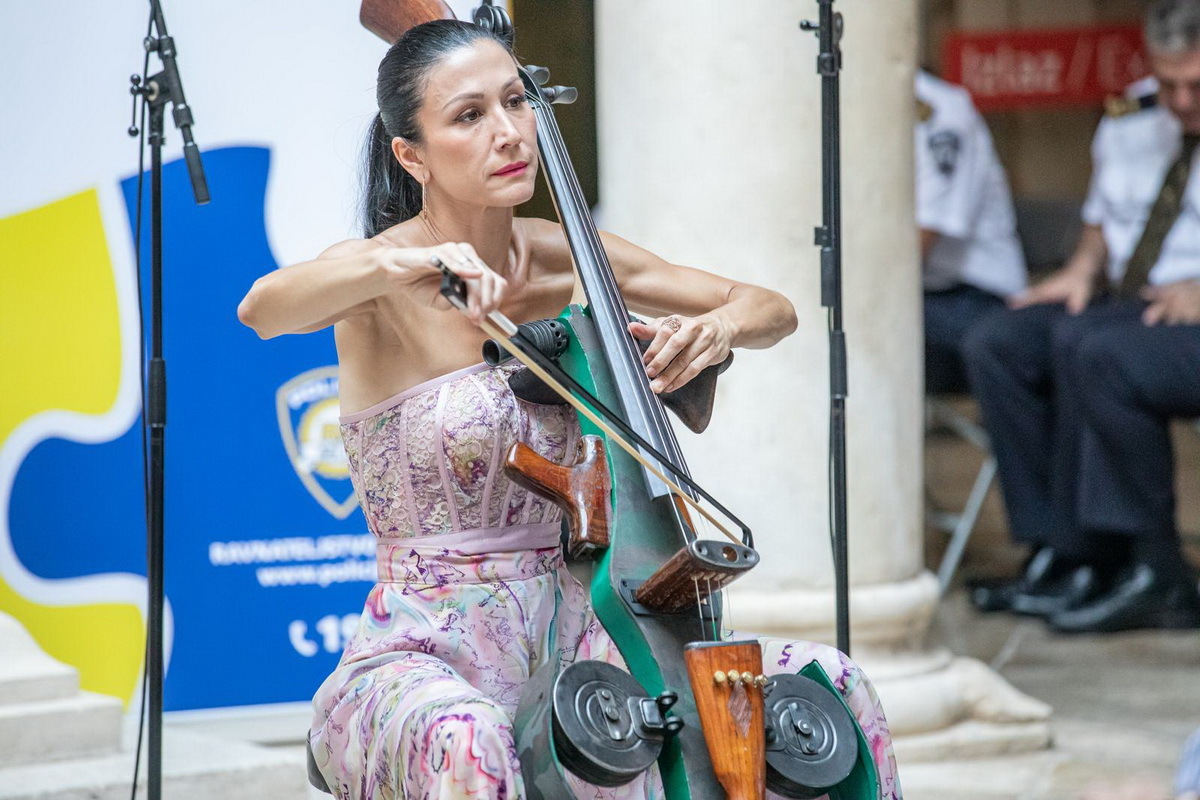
x=392, y=195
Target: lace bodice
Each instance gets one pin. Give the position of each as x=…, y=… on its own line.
x=429, y=460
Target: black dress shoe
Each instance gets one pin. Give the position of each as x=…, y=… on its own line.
x=1077, y=586
x=1141, y=599
x=1041, y=572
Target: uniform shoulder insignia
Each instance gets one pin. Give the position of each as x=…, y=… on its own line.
x=945, y=146
x=924, y=110
x=1116, y=106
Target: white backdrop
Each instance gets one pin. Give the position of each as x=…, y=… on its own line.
x=296, y=78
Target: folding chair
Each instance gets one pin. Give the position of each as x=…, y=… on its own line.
x=1048, y=231
x=959, y=524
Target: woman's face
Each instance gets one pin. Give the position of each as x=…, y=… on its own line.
x=480, y=144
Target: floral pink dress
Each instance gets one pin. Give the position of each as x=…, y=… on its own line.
x=470, y=579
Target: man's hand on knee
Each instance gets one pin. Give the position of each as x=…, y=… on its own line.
x=1068, y=286
x=1172, y=304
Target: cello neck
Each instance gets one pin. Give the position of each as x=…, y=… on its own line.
x=643, y=408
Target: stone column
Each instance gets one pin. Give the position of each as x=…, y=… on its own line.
x=709, y=140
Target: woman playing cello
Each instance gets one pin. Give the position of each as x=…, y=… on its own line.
x=472, y=586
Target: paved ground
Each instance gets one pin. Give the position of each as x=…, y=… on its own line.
x=1123, y=704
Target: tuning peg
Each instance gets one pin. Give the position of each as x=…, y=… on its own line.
x=539, y=74
x=564, y=95
x=494, y=19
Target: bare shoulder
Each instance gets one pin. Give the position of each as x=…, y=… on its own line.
x=548, y=247
x=349, y=247
x=550, y=251
x=395, y=236
x=542, y=233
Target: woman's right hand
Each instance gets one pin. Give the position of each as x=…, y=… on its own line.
x=408, y=267
x=1070, y=286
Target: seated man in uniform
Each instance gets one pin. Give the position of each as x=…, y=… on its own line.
x=1077, y=387
x=970, y=255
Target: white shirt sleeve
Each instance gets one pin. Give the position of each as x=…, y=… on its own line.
x=951, y=170
x=1093, y=206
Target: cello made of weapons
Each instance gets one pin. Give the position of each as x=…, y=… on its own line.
x=691, y=702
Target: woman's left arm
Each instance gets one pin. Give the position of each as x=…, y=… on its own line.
x=698, y=316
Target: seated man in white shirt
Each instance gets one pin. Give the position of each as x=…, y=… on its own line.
x=971, y=258
x=1077, y=388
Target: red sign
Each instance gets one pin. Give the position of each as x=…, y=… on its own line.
x=1028, y=68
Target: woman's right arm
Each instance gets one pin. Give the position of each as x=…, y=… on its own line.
x=341, y=282
x=348, y=278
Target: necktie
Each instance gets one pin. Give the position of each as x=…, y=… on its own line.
x=1163, y=214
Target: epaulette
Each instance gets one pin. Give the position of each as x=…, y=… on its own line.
x=1117, y=106
x=924, y=110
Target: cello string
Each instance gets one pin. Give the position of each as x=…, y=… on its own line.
x=608, y=285
x=666, y=439
x=602, y=286
x=657, y=415
x=612, y=297
x=726, y=614
x=716, y=633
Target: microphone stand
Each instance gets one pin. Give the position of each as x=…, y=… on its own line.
x=160, y=89
x=828, y=29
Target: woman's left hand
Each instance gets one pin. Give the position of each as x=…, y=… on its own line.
x=681, y=347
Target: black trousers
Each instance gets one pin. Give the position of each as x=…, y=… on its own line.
x=1077, y=408
x=949, y=314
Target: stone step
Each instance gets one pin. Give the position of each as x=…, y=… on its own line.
x=26, y=673
x=1008, y=778
x=195, y=767
x=83, y=725
x=32, y=679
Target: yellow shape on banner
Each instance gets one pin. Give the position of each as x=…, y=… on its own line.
x=60, y=341
x=59, y=323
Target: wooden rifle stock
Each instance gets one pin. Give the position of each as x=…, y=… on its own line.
x=582, y=491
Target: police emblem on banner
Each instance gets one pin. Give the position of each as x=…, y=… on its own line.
x=309, y=424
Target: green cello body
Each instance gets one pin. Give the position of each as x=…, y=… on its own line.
x=652, y=645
